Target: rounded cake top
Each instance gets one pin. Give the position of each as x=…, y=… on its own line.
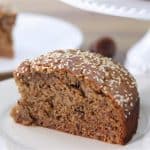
x=114, y=79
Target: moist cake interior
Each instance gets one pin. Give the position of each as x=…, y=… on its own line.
x=64, y=102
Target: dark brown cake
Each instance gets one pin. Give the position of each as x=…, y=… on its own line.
x=77, y=92
x=7, y=21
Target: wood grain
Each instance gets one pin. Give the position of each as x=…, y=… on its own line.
x=126, y=32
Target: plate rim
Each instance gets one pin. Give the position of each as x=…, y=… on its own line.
x=112, y=9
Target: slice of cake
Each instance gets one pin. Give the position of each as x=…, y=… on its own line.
x=78, y=92
x=7, y=21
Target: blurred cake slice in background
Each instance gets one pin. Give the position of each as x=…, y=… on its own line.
x=7, y=21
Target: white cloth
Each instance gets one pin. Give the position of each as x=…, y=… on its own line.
x=138, y=57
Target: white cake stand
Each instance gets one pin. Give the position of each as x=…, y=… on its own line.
x=137, y=9
x=138, y=57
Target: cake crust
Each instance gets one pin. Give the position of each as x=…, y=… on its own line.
x=87, y=76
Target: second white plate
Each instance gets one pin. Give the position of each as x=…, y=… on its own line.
x=37, y=34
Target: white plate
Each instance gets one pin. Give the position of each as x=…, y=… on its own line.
x=138, y=9
x=38, y=34
x=18, y=137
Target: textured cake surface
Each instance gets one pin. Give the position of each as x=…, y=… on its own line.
x=7, y=21
x=80, y=93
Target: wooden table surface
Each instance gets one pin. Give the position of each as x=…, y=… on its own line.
x=126, y=32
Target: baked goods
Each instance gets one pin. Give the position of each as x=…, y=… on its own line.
x=106, y=46
x=7, y=21
x=78, y=92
